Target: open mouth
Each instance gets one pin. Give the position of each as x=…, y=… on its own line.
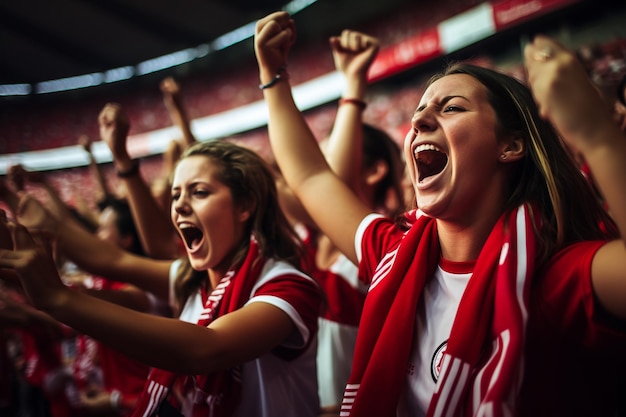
x=191, y=235
x=430, y=161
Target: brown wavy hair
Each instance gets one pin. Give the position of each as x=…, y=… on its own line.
x=252, y=185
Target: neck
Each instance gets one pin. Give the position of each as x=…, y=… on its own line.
x=214, y=277
x=463, y=241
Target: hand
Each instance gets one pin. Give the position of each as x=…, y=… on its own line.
x=354, y=52
x=170, y=87
x=32, y=214
x=34, y=265
x=563, y=92
x=114, y=127
x=275, y=35
x=17, y=175
x=85, y=142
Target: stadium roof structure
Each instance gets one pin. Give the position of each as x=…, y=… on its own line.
x=98, y=41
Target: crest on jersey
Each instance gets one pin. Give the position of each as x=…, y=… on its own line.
x=435, y=363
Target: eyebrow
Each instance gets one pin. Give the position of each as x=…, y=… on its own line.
x=440, y=103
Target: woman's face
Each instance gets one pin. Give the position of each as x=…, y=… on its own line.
x=205, y=215
x=452, y=149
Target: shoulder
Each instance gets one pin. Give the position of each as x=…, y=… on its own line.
x=572, y=260
x=564, y=291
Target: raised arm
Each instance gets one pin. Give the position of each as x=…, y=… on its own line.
x=569, y=100
x=296, y=151
x=102, y=191
x=178, y=114
x=353, y=54
x=153, y=222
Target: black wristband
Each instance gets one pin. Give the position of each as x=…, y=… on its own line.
x=133, y=170
x=280, y=74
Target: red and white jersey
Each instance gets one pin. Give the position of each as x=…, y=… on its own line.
x=283, y=382
x=574, y=354
x=442, y=295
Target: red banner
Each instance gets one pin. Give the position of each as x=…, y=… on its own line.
x=408, y=53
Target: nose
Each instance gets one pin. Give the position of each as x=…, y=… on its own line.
x=423, y=120
x=180, y=205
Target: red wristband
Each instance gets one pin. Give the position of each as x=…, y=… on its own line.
x=357, y=102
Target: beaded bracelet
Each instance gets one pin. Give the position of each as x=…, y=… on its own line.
x=357, y=102
x=133, y=170
x=280, y=74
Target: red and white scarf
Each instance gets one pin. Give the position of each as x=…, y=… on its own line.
x=216, y=394
x=491, y=314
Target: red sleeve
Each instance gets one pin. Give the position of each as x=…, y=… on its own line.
x=568, y=301
x=378, y=238
x=303, y=295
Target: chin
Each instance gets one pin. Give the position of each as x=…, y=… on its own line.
x=430, y=208
x=198, y=264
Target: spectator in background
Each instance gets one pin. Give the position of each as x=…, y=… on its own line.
x=506, y=270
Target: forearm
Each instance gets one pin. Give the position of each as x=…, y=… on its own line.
x=92, y=254
x=156, y=341
x=345, y=143
x=132, y=298
x=179, y=117
x=153, y=223
x=293, y=144
x=102, y=258
x=605, y=154
x=102, y=191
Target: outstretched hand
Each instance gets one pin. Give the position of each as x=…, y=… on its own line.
x=32, y=214
x=354, y=52
x=274, y=36
x=33, y=263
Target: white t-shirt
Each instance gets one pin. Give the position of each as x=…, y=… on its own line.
x=434, y=322
x=272, y=386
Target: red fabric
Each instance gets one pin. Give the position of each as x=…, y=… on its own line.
x=492, y=313
x=217, y=394
x=344, y=301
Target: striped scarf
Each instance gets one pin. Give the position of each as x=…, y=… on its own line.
x=216, y=394
x=492, y=312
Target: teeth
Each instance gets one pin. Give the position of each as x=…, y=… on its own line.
x=185, y=225
x=426, y=147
